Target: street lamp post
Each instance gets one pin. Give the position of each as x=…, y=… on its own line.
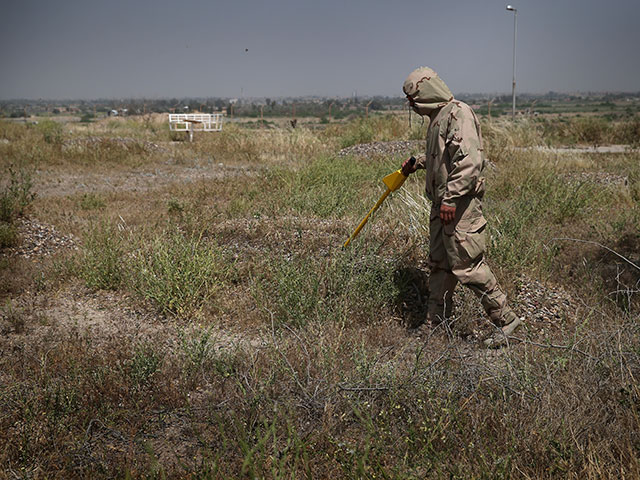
x=513, y=87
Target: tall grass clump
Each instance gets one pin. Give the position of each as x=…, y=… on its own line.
x=99, y=150
x=47, y=144
x=200, y=355
x=579, y=130
x=8, y=235
x=332, y=186
x=366, y=130
x=628, y=131
x=52, y=131
x=590, y=130
x=239, y=144
x=501, y=137
x=103, y=262
x=178, y=273
x=15, y=196
x=528, y=206
x=346, y=286
x=145, y=363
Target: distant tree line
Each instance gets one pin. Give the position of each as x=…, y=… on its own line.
x=495, y=104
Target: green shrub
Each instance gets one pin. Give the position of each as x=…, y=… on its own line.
x=178, y=273
x=628, y=132
x=91, y=201
x=591, y=130
x=14, y=319
x=102, y=265
x=200, y=357
x=359, y=132
x=8, y=235
x=86, y=118
x=331, y=187
x=16, y=194
x=375, y=128
x=349, y=285
x=538, y=203
x=175, y=206
x=51, y=131
x=145, y=363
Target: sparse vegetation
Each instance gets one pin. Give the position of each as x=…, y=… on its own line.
x=16, y=195
x=212, y=326
x=91, y=201
x=178, y=273
x=102, y=264
x=52, y=131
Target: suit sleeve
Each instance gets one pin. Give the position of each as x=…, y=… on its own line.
x=464, y=149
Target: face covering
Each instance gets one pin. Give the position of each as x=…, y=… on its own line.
x=426, y=91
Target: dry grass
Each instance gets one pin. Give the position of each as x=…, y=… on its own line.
x=212, y=327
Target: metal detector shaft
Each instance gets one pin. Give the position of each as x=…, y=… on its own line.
x=366, y=219
x=393, y=182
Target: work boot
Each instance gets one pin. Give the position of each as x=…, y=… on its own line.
x=500, y=338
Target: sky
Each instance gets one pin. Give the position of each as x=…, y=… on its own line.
x=73, y=49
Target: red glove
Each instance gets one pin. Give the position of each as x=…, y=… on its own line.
x=409, y=166
x=447, y=213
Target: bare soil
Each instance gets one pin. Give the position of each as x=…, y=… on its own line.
x=57, y=182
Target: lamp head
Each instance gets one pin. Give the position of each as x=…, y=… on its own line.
x=510, y=8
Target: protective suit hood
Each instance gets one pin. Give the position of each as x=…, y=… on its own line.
x=427, y=90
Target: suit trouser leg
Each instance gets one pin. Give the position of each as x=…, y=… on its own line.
x=442, y=281
x=459, y=257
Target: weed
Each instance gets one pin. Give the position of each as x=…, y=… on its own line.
x=16, y=194
x=8, y=235
x=331, y=187
x=91, y=201
x=378, y=128
x=178, y=273
x=201, y=357
x=238, y=146
x=14, y=318
x=197, y=349
x=361, y=132
x=102, y=264
x=52, y=131
x=590, y=130
x=146, y=361
x=345, y=287
x=175, y=206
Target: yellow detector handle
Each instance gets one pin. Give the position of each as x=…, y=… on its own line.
x=393, y=182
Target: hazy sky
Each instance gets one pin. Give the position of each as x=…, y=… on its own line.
x=161, y=48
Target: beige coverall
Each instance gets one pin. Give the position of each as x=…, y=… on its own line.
x=455, y=163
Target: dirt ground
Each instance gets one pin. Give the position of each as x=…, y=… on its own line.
x=544, y=307
x=49, y=308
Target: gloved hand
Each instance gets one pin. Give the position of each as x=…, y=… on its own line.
x=447, y=213
x=409, y=166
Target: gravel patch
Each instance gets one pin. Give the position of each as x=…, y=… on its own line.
x=584, y=149
x=39, y=239
x=122, y=142
x=544, y=309
x=541, y=304
x=383, y=148
x=601, y=178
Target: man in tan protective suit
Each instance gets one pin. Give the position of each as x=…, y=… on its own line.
x=455, y=185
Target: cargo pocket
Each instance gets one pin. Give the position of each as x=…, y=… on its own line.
x=471, y=239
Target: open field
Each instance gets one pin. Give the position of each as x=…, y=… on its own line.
x=185, y=310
